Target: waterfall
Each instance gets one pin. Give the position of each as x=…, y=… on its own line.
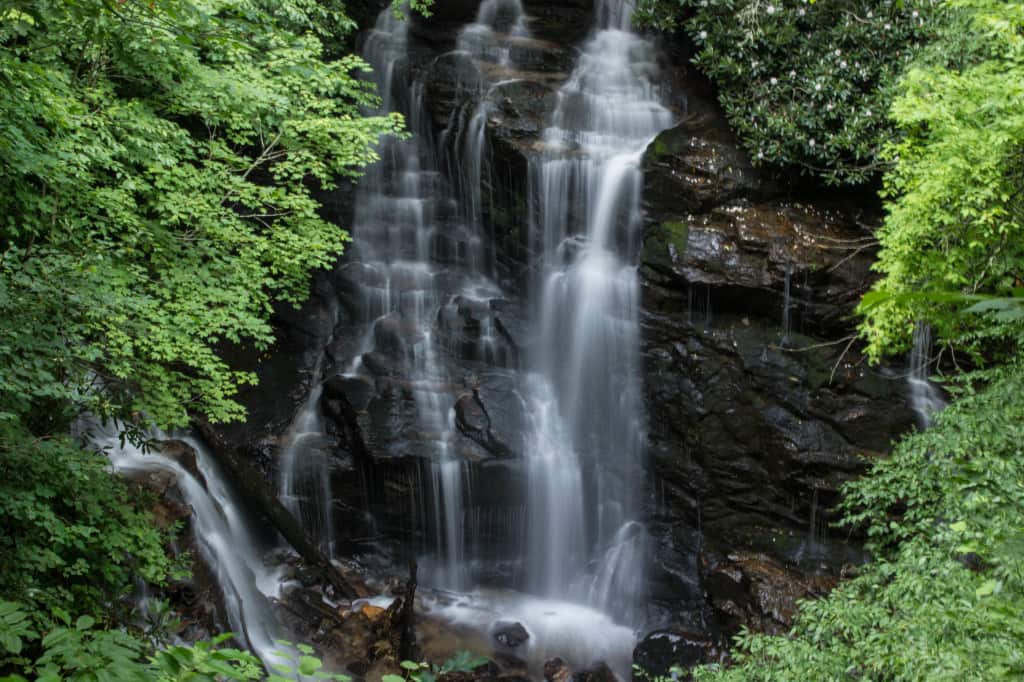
x=421, y=254
x=925, y=398
x=304, y=481
x=585, y=464
x=226, y=539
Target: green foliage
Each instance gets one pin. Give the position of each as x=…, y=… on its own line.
x=956, y=209
x=80, y=652
x=158, y=164
x=944, y=598
x=806, y=85
x=15, y=628
x=72, y=536
x=462, y=662
x=204, y=661
x=674, y=673
x=299, y=659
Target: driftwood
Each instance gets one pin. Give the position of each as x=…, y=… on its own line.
x=254, y=488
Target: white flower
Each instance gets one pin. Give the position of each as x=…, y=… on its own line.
x=868, y=113
x=703, y=35
x=771, y=10
x=812, y=142
x=774, y=80
x=838, y=52
x=792, y=74
x=828, y=107
x=887, y=27
x=871, y=15
x=800, y=12
x=914, y=14
x=760, y=155
x=842, y=64
x=817, y=86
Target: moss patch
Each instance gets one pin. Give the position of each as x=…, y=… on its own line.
x=677, y=233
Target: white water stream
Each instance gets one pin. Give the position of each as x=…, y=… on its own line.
x=228, y=543
x=586, y=464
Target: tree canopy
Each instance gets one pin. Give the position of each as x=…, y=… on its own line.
x=159, y=160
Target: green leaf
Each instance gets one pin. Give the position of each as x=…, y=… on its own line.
x=308, y=665
x=987, y=588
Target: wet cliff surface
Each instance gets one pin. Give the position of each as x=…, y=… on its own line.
x=396, y=419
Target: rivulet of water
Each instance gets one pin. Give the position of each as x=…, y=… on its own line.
x=925, y=398
x=227, y=541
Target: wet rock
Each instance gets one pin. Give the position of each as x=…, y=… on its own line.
x=440, y=30
x=566, y=22
x=474, y=422
x=747, y=255
x=557, y=670
x=599, y=672
x=698, y=165
x=754, y=590
x=509, y=634
x=742, y=435
x=759, y=406
x=472, y=329
x=536, y=57
x=381, y=365
x=357, y=391
x=662, y=650
x=450, y=80
x=396, y=336
x=183, y=454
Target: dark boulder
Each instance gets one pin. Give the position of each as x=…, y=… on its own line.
x=451, y=80
x=566, y=22
x=662, y=650
x=696, y=166
x=510, y=635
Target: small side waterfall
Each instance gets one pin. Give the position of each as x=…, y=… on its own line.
x=227, y=541
x=304, y=481
x=925, y=398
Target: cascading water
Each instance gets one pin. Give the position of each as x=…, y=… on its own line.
x=304, y=482
x=226, y=540
x=586, y=463
x=925, y=397
x=421, y=254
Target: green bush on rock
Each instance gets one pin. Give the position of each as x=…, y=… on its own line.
x=806, y=85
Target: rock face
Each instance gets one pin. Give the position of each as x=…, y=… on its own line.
x=760, y=405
